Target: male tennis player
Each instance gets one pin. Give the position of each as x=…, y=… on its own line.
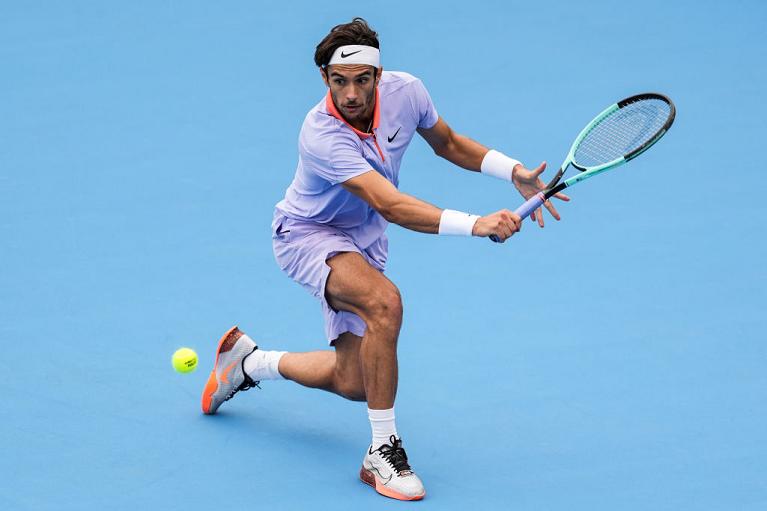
x=328, y=235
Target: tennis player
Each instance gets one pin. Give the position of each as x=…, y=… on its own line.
x=328, y=235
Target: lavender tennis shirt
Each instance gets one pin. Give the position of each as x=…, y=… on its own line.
x=330, y=151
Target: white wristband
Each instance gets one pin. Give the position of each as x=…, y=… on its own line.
x=497, y=164
x=456, y=223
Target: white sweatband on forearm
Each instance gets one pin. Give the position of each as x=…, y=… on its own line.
x=497, y=164
x=456, y=223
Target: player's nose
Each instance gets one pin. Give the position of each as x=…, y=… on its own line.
x=352, y=95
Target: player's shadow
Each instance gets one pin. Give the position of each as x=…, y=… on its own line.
x=289, y=431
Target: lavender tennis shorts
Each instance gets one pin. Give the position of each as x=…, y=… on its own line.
x=302, y=250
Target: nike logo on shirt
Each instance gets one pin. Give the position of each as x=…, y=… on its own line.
x=391, y=138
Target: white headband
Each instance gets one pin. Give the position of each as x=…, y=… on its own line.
x=356, y=54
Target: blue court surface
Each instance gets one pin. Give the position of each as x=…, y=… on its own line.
x=613, y=360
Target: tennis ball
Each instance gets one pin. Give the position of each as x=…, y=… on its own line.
x=184, y=360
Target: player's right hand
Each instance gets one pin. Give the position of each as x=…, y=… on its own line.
x=503, y=223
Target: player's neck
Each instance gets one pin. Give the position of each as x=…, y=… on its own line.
x=364, y=123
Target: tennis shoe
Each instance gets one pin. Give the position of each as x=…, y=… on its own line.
x=386, y=469
x=228, y=376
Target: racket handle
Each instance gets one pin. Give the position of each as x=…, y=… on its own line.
x=533, y=203
x=524, y=210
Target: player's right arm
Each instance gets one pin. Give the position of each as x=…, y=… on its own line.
x=417, y=215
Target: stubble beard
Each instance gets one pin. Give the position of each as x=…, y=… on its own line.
x=364, y=114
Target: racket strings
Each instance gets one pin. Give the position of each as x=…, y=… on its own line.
x=626, y=129
x=622, y=131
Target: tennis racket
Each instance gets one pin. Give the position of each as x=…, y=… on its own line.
x=623, y=131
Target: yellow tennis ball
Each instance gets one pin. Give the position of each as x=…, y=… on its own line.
x=184, y=360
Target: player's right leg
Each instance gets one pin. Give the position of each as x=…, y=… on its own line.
x=336, y=371
x=240, y=365
x=354, y=286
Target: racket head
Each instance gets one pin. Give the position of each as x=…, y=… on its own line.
x=623, y=131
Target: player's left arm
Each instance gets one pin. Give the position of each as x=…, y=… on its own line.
x=453, y=147
x=470, y=155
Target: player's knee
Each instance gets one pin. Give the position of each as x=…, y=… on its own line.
x=355, y=394
x=384, y=308
x=350, y=389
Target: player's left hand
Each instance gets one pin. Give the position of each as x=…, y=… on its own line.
x=528, y=182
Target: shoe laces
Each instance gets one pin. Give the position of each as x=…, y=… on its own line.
x=395, y=455
x=247, y=383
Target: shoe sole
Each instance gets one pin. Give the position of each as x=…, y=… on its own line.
x=212, y=385
x=370, y=479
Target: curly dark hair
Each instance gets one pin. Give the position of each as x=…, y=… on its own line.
x=356, y=32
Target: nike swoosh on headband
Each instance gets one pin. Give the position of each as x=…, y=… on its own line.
x=344, y=55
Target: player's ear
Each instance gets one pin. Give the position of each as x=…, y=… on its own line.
x=379, y=72
x=324, y=73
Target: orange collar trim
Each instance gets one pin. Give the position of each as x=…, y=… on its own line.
x=332, y=110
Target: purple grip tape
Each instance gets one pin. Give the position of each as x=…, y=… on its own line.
x=530, y=205
x=525, y=209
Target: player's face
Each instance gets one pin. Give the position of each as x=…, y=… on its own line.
x=353, y=90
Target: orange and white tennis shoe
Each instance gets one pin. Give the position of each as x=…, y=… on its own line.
x=228, y=376
x=386, y=469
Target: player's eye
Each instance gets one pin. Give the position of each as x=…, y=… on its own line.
x=338, y=81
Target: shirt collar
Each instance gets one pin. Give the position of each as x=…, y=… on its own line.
x=332, y=110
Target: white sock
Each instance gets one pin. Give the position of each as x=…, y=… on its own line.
x=262, y=365
x=383, y=426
